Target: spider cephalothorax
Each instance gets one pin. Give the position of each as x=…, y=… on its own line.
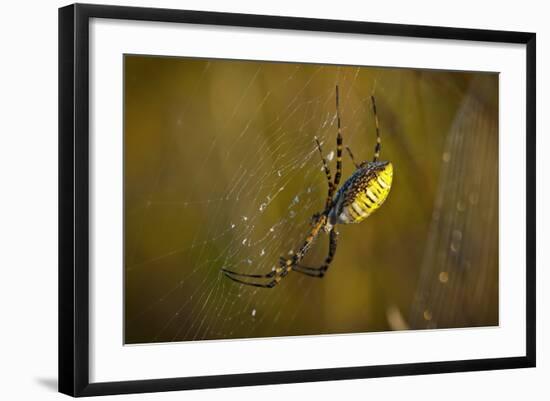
x=360, y=196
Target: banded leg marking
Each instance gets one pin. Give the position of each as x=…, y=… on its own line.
x=378, y=146
x=319, y=272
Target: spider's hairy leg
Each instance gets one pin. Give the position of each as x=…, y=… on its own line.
x=314, y=219
x=227, y=272
x=285, y=265
x=327, y=173
x=339, y=141
x=278, y=274
x=351, y=157
x=325, y=163
x=288, y=263
x=319, y=272
x=378, y=146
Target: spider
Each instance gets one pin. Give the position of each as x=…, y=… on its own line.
x=360, y=195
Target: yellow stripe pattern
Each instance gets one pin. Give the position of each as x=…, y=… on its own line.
x=369, y=197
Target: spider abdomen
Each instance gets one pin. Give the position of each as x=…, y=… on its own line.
x=362, y=194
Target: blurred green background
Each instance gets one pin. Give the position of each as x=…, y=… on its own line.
x=221, y=170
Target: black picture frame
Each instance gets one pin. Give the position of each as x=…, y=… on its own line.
x=74, y=198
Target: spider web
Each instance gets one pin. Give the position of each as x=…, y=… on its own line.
x=222, y=171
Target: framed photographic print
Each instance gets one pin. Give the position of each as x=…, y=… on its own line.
x=250, y=199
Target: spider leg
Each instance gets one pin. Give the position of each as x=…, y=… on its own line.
x=269, y=284
x=320, y=271
x=320, y=221
x=328, y=174
x=351, y=157
x=285, y=265
x=314, y=219
x=339, y=141
x=378, y=141
x=325, y=163
x=276, y=275
x=288, y=263
x=271, y=274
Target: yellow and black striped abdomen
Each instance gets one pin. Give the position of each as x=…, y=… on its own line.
x=363, y=193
